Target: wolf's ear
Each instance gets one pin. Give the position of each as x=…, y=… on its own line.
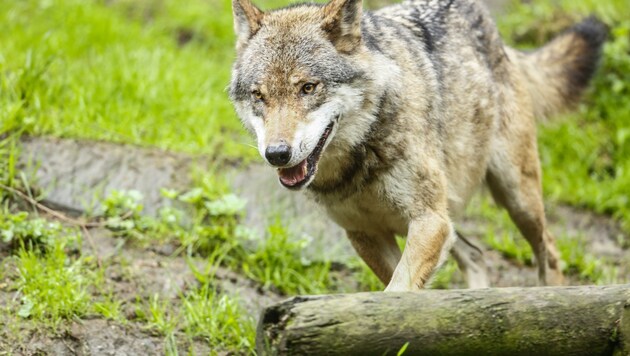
x=342, y=23
x=247, y=21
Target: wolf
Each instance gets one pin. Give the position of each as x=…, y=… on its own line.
x=392, y=119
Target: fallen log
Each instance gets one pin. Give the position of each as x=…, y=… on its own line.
x=586, y=320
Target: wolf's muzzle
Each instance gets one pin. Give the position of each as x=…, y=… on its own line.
x=278, y=155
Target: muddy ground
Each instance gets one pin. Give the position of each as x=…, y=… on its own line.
x=130, y=272
x=133, y=270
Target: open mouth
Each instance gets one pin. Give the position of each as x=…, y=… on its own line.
x=297, y=176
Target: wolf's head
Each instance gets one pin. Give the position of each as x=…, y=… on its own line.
x=294, y=80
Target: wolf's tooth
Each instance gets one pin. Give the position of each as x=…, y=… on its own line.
x=304, y=168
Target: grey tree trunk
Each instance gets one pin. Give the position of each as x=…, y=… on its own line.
x=585, y=320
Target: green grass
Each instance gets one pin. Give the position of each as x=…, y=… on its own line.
x=51, y=286
x=213, y=230
x=149, y=73
x=588, y=267
x=8, y=162
x=218, y=319
x=503, y=236
x=278, y=261
x=121, y=72
x=74, y=68
x=200, y=313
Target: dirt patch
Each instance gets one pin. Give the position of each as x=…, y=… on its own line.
x=603, y=234
x=135, y=272
x=90, y=337
x=600, y=235
x=133, y=275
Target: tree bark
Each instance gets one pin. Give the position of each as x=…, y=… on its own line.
x=587, y=320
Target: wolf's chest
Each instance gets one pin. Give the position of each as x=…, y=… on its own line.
x=366, y=212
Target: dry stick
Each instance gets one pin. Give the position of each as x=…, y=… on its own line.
x=88, y=235
x=50, y=211
x=68, y=346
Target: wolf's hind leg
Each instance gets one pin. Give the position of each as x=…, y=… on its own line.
x=470, y=261
x=515, y=184
x=380, y=252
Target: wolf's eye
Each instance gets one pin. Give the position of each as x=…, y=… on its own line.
x=308, y=88
x=257, y=95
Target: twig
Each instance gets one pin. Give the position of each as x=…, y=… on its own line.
x=84, y=225
x=68, y=346
x=50, y=211
x=88, y=235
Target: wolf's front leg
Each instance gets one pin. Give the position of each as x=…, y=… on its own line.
x=379, y=251
x=429, y=240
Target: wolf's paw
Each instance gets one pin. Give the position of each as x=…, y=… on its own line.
x=555, y=277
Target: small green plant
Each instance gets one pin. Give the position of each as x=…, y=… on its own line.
x=163, y=319
x=160, y=316
x=8, y=163
x=577, y=261
x=279, y=261
x=511, y=245
x=366, y=280
x=122, y=210
x=20, y=230
x=219, y=319
x=444, y=276
x=52, y=286
x=205, y=218
x=215, y=222
x=109, y=308
x=123, y=203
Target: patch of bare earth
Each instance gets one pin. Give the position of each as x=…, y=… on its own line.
x=133, y=275
x=600, y=236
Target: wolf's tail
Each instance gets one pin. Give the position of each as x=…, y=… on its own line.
x=559, y=72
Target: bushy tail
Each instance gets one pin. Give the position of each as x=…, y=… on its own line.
x=559, y=72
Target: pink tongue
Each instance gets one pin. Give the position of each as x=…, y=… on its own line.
x=294, y=175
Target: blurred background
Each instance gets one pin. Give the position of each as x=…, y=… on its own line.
x=136, y=215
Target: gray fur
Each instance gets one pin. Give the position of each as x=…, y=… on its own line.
x=425, y=102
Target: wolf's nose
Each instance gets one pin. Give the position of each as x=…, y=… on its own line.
x=278, y=155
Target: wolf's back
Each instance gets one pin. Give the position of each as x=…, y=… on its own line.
x=558, y=73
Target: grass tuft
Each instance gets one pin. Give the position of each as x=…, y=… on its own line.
x=219, y=319
x=52, y=287
x=278, y=261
